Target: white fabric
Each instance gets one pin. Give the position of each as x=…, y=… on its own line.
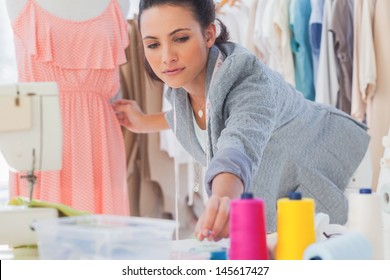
x=282, y=31
x=367, y=71
x=269, y=40
x=258, y=37
x=272, y=37
x=327, y=84
x=358, y=106
x=236, y=20
x=251, y=26
x=325, y=230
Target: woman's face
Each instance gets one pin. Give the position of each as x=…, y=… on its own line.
x=175, y=45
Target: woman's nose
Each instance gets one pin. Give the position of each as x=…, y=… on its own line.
x=169, y=56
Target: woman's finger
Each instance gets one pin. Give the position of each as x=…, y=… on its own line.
x=209, y=216
x=198, y=228
x=122, y=107
x=222, y=217
x=224, y=233
x=121, y=102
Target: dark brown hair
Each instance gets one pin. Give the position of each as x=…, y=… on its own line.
x=203, y=11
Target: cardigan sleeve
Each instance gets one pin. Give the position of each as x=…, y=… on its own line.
x=249, y=116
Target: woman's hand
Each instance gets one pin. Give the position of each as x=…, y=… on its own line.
x=213, y=224
x=129, y=114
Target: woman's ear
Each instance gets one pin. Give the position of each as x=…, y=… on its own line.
x=210, y=34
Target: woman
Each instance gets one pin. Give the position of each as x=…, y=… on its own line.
x=252, y=130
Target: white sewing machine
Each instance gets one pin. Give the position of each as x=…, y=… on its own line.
x=30, y=140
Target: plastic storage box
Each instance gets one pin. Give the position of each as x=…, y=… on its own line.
x=106, y=237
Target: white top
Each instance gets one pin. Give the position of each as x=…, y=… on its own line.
x=201, y=134
x=168, y=141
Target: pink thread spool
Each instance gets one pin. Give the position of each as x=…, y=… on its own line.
x=247, y=229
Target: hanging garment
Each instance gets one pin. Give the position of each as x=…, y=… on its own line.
x=236, y=19
x=342, y=28
x=83, y=57
x=365, y=78
x=258, y=34
x=282, y=29
x=268, y=36
x=378, y=112
x=358, y=105
x=367, y=60
x=315, y=33
x=272, y=37
x=250, y=44
x=300, y=45
x=327, y=85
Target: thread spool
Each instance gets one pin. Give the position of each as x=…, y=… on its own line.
x=247, y=229
x=295, y=226
x=218, y=255
x=365, y=216
x=348, y=246
x=384, y=193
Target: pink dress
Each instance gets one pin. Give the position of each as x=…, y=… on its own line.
x=83, y=57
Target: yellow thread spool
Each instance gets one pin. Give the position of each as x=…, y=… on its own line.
x=295, y=226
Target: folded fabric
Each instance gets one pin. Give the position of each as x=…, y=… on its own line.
x=325, y=230
x=63, y=210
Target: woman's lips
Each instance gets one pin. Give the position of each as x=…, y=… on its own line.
x=173, y=71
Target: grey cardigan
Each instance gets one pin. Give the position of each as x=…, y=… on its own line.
x=265, y=132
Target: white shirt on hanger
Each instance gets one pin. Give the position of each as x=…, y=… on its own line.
x=327, y=85
x=258, y=36
x=285, y=57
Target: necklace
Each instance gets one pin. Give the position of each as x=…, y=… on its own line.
x=200, y=109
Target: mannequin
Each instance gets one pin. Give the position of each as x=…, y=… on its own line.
x=68, y=9
x=80, y=45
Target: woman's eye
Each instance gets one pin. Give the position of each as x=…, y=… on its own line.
x=182, y=39
x=152, y=46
